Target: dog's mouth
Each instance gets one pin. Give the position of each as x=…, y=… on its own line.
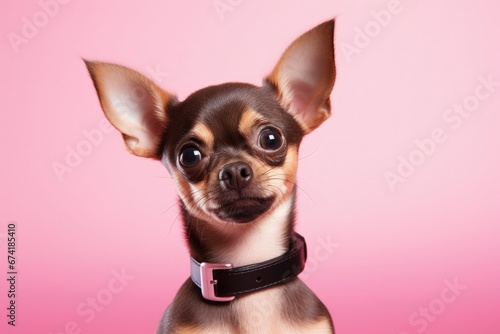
x=243, y=210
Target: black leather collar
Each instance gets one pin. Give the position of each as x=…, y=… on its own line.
x=221, y=282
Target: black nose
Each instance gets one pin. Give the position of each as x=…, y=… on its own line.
x=236, y=175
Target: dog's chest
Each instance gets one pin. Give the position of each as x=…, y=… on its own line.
x=265, y=312
x=260, y=312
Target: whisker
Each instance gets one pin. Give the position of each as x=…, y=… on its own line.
x=184, y=199
x=282, y=193
x=303, y=179
x=267, y=171
x=296, y=185
x=173, y=222
x=170, y=207
x=187, y=202
x=201, y=235
x=310, y=154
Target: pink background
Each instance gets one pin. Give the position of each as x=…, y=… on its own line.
x=393, y=250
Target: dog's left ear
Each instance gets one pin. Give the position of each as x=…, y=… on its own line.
x=305, y=74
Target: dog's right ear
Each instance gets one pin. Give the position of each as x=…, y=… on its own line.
x=134, y=105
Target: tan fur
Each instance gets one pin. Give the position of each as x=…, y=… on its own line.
x=268, y=325
x=260, y=236
x=188, y=194
x=249, y=119
x=205, y=330
x=188, y=330
x=284, y=177
x=203, y=132
x=322, y=326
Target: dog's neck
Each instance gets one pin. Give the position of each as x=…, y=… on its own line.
x=241, y=244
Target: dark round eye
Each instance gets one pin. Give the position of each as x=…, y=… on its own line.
x=190, y=156
x=270, y=139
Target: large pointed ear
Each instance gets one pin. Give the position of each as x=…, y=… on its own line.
x=305, y=74
x=134, y=105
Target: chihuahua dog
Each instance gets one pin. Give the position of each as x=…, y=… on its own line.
x=232, y=150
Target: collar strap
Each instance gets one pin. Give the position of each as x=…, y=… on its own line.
x=221, y=282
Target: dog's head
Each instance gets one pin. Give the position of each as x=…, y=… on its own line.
x=232, y=148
